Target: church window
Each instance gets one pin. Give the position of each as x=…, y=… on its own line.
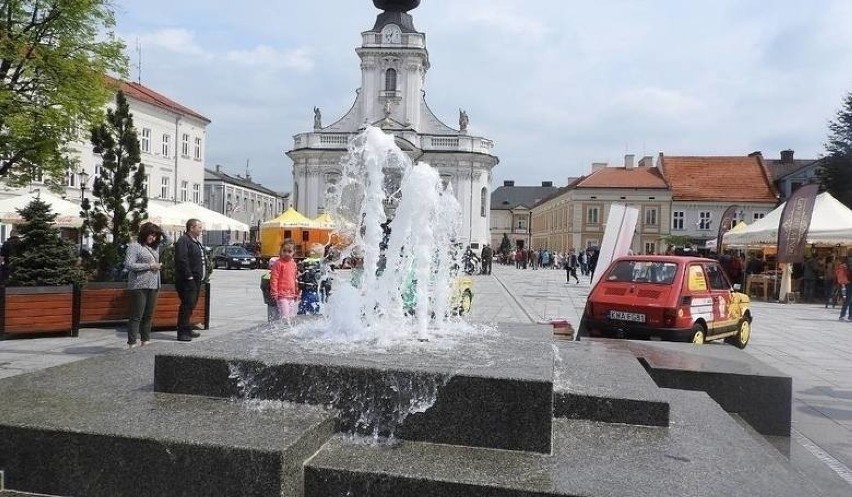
x=390, y=80
x=483, y=195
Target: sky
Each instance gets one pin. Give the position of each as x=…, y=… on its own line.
x=557, y=84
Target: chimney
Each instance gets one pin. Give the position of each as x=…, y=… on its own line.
x=786, y=156
x=647, y=161
x=598, y=166
x=547, y=183
x=218, y=168
x=509, y=182
x=628, y=161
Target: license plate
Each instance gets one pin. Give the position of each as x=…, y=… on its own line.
x=627, y=316
x=246, y=263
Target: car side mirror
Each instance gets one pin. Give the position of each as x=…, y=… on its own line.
x=736, y=287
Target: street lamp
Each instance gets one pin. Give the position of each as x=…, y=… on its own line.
x=84, y=177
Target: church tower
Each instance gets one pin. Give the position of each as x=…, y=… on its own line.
x=394, y=63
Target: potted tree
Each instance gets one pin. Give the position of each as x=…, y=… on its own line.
x=39, y=296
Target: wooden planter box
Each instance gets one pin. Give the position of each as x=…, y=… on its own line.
x=65, y=309
x=109, y=303
x=168, y=303
x=38, y=310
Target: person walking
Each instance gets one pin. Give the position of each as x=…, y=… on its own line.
x=189, y=276
x=142, y=262
x=487, y=257
x=841, y=276
x=571, y=265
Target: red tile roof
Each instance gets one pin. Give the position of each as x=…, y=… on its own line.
x=622, y=177
x=737, y=178
x=142, y=93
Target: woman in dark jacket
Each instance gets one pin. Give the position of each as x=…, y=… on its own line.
x=143, y=281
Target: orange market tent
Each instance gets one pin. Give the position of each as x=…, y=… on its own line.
x=293, y=225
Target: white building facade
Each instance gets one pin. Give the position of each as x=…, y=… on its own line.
x=241, y=199
x=172, y=140
x=394, y=62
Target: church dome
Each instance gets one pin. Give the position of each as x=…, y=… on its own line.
x=396, y=5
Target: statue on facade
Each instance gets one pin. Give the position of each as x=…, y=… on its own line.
x=463, y=120
x=317, y=118
x=388, y=109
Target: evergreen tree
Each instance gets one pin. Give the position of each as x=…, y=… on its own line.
x=835, y=174
x=120, y=200
x=42, y=258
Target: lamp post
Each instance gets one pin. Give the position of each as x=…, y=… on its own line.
x=84, y=177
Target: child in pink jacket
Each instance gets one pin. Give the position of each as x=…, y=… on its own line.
x=283, y=284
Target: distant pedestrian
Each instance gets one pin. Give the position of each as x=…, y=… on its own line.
x=841, y=275
x=189, y=276
x=142, y=262
x=487, y=257
x=8, y=250
x=571, y=266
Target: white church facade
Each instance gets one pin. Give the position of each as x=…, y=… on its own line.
x=394, y=62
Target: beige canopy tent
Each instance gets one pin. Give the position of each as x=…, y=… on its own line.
x=291, y=225
x=212, y=220
x=831, y=224
x=68, y=213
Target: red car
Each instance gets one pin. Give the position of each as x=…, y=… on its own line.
x=672, y=297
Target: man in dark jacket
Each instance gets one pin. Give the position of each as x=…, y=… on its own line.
x=189, y=276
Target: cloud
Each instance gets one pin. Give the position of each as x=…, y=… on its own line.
x=506, y=16
x=265, y=56
x=171, y=39
x=659, y=102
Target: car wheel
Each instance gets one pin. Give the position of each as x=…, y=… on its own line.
x=466, y=303
x=698, y=334
x=740, y=340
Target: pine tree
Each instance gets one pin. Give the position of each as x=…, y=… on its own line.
x=42, y=258
x=836, y=172
x=120, y=200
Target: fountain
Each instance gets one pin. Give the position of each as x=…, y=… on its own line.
x=373, y=400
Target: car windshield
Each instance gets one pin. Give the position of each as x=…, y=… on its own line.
x=662, y=273
x=238, y=252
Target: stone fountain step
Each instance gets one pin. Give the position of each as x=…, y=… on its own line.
x=620, y=392
x=702, y=453
x=738, y=382
x=97, y=428
x=490, y=391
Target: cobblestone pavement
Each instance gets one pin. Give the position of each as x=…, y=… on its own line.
x=804, y=341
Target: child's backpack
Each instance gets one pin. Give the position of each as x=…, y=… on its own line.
x=264, y=288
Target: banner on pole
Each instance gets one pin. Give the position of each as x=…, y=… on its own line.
x=794, y=224
x=618, y=236
x=725, y=225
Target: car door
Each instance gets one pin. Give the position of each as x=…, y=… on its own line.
x=724, y=318
x=697, y=290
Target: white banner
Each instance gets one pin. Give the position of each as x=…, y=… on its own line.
x=618, y=236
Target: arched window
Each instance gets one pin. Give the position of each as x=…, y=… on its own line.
x=483, y=197
x=390, y=80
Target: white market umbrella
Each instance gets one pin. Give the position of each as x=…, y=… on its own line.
x=212, y=220
x=68, y=213
x=165, y=218
x=831, y=224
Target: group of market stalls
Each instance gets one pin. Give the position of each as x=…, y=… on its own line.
x=290, y=224
x=829, y=233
